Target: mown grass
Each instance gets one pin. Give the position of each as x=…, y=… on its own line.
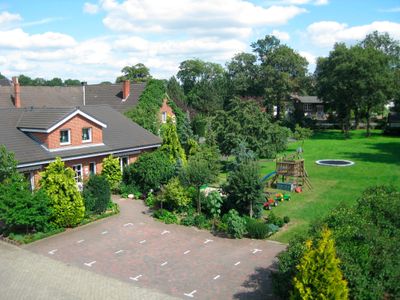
x=377, y=162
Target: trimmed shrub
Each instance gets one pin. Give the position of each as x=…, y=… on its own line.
x=286, y=219
x=200, y=221
x=112, y=172
x=126, y=189
x=256, y=229
x=175, y=195
x=150, y=200
x=96, y=194
x=166, y=216
x=274, y=219
x=236, y=224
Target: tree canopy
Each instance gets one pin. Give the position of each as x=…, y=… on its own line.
x=136, y=73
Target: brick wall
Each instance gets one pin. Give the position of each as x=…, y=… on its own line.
x=75, y=125
x=167, y=109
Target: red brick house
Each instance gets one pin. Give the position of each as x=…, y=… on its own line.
x=166, y=112
x=81, y=136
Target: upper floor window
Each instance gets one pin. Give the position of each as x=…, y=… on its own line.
x=65, y=137
x=164, y=117
x=86, y=135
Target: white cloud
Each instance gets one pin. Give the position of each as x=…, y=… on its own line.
x=326, y=33
x=7, y=18
x=90, y=8
x=282, y=35
x=311, y=58
x=301, y=2
x=207, y=18
x=391, y=10
x=17, y=38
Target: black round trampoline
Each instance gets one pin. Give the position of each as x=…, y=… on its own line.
x=334, y=162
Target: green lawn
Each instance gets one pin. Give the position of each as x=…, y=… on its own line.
x=377, y=161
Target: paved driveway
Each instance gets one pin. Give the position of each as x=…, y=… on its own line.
x=176, y=260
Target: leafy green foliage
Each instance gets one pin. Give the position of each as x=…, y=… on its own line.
x=302, y=133
x=66, y=202
x=366, y=238
x=165, y=216
x=112, y=171
x=8, y=164
x=26, y=80
x=20, y=210
x=245, y=122
x=136, y=73
x=244, y=189
x=171, y=144
x=126, y=189
x=319, y=275
x=96, y=194
x=236, y=225
x=257, y=229
x=175, y=195
x=145, y=113
x=150, y=171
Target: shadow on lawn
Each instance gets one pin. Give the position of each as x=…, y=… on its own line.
x=388, y=153
x=259, y=285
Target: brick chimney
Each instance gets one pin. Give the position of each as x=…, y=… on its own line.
x=17, y=92
x=126, y=89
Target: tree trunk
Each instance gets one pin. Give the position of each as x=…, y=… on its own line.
x=198, y=201
x=368, y=122
x=356, y=118
x=278, y=111
x=251, y=209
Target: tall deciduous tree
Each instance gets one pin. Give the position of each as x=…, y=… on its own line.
x=66, y=201
x=282, y=71
x=136, y=73
x=319, y=275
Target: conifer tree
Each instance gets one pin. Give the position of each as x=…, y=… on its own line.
x=319, y=275
x=66, y=201
x=112, y=171
x=171, y=144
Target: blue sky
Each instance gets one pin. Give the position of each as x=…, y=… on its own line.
x=93, y=40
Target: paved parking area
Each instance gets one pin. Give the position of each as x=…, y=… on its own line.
x=179, y=261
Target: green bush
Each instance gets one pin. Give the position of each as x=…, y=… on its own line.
x=112, y=172
x=150, y=171
x=256, y=229
x=150, y=200
x=166, y=216
x=175, y=196
x=20, y=210
x=301, y=133
x=272, y=228
x=236, y=224
x=274, y=219
x=96, y=194
x=66, y=201
x=286, y=219
x=200, y=221
x=127, y=189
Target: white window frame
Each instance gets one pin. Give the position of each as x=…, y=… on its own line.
x=308, y=107
x=164, y=117
x=94, y=168
x=69, y=137
x=78, y=178
x=121, y=162
x=90, y=135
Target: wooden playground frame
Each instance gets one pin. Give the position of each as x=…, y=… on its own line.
x=289, y=167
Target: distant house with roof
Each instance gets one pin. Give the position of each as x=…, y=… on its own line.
x=310, y=106
x=121, y=97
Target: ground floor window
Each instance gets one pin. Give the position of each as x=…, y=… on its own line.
x=123, y=161
x=92, y=168
x=78, y=172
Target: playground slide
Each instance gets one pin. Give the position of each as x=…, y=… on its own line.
x=268, y=176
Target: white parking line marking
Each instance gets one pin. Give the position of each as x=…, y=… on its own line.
x=136, y=278
x=80, y=241
x=90, y=264
x=186, y=252
x=142, y=242
x=53, y=251
x=104, y=232
x=164, y=263
x=164, y=232
x=191, y=294
x=237, y=263
x=207, y=241
x=119, y=251
x=128, y=224
x=216, y=277
x=256, y=250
